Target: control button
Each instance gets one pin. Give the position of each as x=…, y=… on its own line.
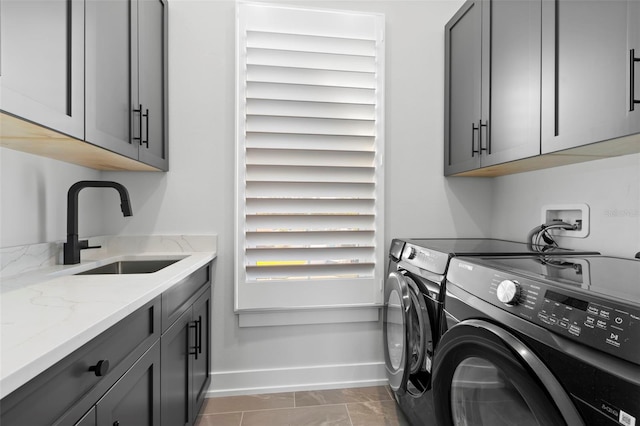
x=553, y=320
x=605, y=314
x=508, y=292
x=601, y=324
x=590, y=322
x=618, y=320
x=543, y=317
x=575, y=330
x=593, y=310
x=563, y=324
x=613, y=339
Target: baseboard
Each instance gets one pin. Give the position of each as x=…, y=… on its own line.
x=251, y=382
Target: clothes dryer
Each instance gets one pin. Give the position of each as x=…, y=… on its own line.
x=540, y=341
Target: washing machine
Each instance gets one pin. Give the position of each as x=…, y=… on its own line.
x=414, y=295
x=539, y=341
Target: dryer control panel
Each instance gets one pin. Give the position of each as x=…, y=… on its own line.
x=603, y=324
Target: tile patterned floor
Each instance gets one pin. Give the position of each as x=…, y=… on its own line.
x=370, y=406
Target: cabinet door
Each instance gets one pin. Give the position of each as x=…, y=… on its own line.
x=462, y=88
x=511, y=37
x=110, y=119
x=633, y=22
x=202, y=358
x=135, y=398
x=585, y=72
x=152, y=81
x=88, y=419
x=42, y=62
x=176, y=344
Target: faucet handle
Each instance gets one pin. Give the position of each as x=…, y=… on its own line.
x=84, y=244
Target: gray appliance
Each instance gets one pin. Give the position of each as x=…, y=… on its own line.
x=540, y=341
x=413, y=306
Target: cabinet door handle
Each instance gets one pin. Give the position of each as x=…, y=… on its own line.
x=473, y=140
x=146, y=115
x=632, y=77
x=139, y=112
x=193, y=350
x=488, y=149
x=199, y=334
x=101, y=368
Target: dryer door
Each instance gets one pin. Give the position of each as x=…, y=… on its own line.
x=484, y=376
x=396, y=316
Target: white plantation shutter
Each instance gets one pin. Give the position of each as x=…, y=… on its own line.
x=309, y=158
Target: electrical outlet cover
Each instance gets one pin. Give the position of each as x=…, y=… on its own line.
x=569, y=213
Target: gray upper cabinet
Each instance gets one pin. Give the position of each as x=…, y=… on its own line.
x=152, y=81
x=463, y=83
x=588, y=72
x=126, y=78
x=492, y=84
x=109, y=121
x=510, y=122
x=42, y=63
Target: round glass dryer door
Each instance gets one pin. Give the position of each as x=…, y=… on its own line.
x=395, y=321
x=482, y=394
x=481, y=380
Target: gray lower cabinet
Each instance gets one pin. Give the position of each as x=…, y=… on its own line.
x=88, y=419
x=42, y=62
x=202, y=360
x=589, y=76
x=151, y=368
x=185, y=351
x=67, y=390
x=492, y=84
x=135, y=399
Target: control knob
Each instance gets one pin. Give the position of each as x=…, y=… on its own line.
x=508, y=292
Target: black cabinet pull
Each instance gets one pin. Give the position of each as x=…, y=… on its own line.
x=146, y=115
x=199, y=334
x=632, y=77
x=193, y=350
x=139, y=111
x=473, y=139
x=480, y=138
x=101, y=368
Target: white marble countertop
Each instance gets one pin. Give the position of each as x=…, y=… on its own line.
x=46, y=313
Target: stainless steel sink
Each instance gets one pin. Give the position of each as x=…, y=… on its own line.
x=130, y=267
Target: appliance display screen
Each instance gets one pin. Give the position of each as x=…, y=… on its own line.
x=566, y=300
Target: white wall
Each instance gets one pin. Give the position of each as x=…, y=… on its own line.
x=197, y=195
x=33, y=200
x=610, y=187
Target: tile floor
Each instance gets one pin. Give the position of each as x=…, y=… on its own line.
x=370, y=406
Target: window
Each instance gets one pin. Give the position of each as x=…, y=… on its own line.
x=309, y=158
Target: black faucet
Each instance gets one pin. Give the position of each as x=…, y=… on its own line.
x=72, y=247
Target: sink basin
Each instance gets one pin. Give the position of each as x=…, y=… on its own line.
x=130, y=267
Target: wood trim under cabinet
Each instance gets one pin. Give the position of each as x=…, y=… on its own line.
x=595, y=151
x=25, y=136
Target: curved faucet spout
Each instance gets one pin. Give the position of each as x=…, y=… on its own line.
x=72, y=247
